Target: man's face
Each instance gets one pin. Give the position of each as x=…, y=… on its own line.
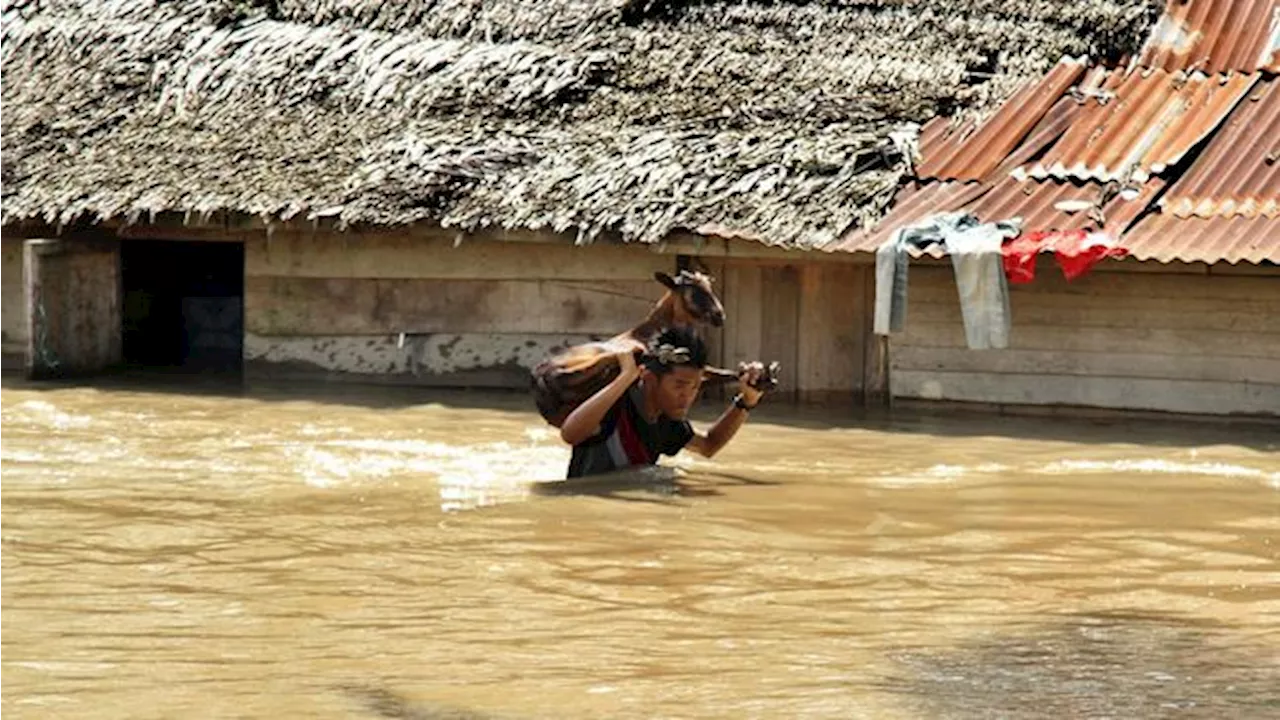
x=677, y=390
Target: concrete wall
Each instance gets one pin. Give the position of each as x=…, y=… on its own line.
x=1180, y=338
x=73, y=286
x=479, y=314
x=12, y=304
x=484, y=312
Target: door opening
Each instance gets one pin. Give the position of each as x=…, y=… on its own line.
x=183, y=305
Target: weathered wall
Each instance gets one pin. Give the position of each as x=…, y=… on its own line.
x=73, y=288
x=808, y=316
x=1182, y=338
x=483, y=312
x=12, y=304
x=478, y=314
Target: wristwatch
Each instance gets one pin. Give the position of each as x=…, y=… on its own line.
x=741, y=404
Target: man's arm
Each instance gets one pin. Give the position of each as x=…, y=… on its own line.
x=711, y=442
x=585, y=419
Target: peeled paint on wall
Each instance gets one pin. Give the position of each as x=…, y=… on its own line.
x=425, y=356
x=481, y=314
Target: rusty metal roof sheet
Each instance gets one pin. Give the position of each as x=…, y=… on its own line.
x=1215, y=36
x=1042, y=205
x=1051, y=127
x=1157, y=236
x=1137, y=124
x=1166, y=238
x=1239, y=171
x=1064, y=205
x=912, y=203
x=968, y=153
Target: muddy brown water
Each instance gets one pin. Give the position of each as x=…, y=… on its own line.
x=311, y=552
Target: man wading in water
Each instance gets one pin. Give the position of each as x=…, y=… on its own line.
x=640, y=415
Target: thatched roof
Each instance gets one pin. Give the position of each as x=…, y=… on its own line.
x=768, y=119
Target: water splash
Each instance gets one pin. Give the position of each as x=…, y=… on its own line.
x=41, y=412
x=1156, y=465
x=335, y=462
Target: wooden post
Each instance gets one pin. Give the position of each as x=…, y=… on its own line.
x=876, y=391
x=73, y=306
x=41, y=360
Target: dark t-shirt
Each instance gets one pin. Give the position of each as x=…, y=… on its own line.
x=626, y=439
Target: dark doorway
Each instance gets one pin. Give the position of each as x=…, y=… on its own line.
x=183, y=305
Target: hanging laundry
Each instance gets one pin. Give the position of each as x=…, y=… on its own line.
x=984, y=293
x=976, y=257
x=1077, y=257
x=892, y=258
x=1020, y=254
x=1076, y=251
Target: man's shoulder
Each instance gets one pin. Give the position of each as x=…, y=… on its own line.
x=610, y=419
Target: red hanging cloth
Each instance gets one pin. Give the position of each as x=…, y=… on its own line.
x=1077, y=257
x=1076, y=251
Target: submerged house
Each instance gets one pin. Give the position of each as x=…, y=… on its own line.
x=1170, y=160
x=442, y=193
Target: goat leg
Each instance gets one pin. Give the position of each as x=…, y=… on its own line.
x=767, y=381
x=713, y=375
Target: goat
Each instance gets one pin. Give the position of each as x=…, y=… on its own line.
x=566, y=379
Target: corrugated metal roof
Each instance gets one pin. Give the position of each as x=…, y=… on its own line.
x=1097, y=151
x=912, y=203
x=1239, y=171
x=966, y=153
x=1215, y=36
x=1064, y=205
x=1138, y=124
x=1051, y=127
x=1160, y=237
x=1166, y=238
x=1042, y=205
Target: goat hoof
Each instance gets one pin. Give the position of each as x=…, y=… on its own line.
x=768, y=380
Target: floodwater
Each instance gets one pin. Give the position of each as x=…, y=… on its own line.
x=294, y=552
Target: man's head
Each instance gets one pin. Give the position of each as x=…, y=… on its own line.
x=673, y=371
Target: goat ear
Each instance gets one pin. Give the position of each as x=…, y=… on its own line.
x=665, y=279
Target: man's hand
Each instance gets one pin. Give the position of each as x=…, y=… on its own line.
x=626, y=354
x=709, y=443
x=748, y=375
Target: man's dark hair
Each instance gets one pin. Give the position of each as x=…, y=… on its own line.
x=672, y=341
